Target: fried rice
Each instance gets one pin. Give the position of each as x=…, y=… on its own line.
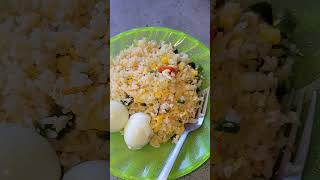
x=53, y=74
x=154, y=78
x=248, y=72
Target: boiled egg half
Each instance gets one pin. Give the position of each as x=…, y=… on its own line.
x=138, y=131
x=119, y=116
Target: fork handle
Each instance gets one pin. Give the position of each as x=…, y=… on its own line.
x=172, y=157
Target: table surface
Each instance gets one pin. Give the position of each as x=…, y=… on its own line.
x=189, y=16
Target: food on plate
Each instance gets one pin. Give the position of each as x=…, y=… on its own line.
x=251, y=76
x=89, y=170
x=138, y=131
x=25, y=154
x=158, y=80
x=53, y=74
x=119, y=116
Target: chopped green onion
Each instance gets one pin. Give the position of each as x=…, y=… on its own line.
x=287, y=24
x=127, y=101
x=199, y=68
x=192, y=64
x=181, y=101
x=227, y=126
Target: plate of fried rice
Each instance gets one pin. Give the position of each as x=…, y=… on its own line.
x=159, y=71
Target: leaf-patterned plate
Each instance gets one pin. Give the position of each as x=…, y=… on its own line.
x=147, y=162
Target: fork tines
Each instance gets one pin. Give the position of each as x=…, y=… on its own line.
x=203, y=102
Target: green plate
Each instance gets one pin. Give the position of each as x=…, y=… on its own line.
x=147, y=162
x=307, y=68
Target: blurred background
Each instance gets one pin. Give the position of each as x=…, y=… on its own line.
x=189, y=16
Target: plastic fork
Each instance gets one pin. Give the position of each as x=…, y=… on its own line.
x=189, y=127
x=293, y=170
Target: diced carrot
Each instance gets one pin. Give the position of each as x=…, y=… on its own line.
x=162, y=68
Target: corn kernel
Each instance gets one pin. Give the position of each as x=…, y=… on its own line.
x=153, y=66
x=269, y=34
x=181, y=66
x=164, y=60
x=135, y=64
x=156, y=127
x=138, y=99
x=159, y=118
x=194, y=72
x=180, y=130
x=157, y=94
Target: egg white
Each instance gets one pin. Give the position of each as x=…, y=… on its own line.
x=119, y=116
x=138, y=131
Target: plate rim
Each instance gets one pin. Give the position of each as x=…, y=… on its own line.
x=117, y=173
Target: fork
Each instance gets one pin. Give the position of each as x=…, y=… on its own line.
x=299, y=159
x=189, y=127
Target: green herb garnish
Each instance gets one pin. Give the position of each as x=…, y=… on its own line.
x=199, y=69
x=42, y=131
x=192, y=64
x=69, y=127
x=288, y=48
x=181, y=101
x=227, y=126
x=127, y=101
x=287, y=23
